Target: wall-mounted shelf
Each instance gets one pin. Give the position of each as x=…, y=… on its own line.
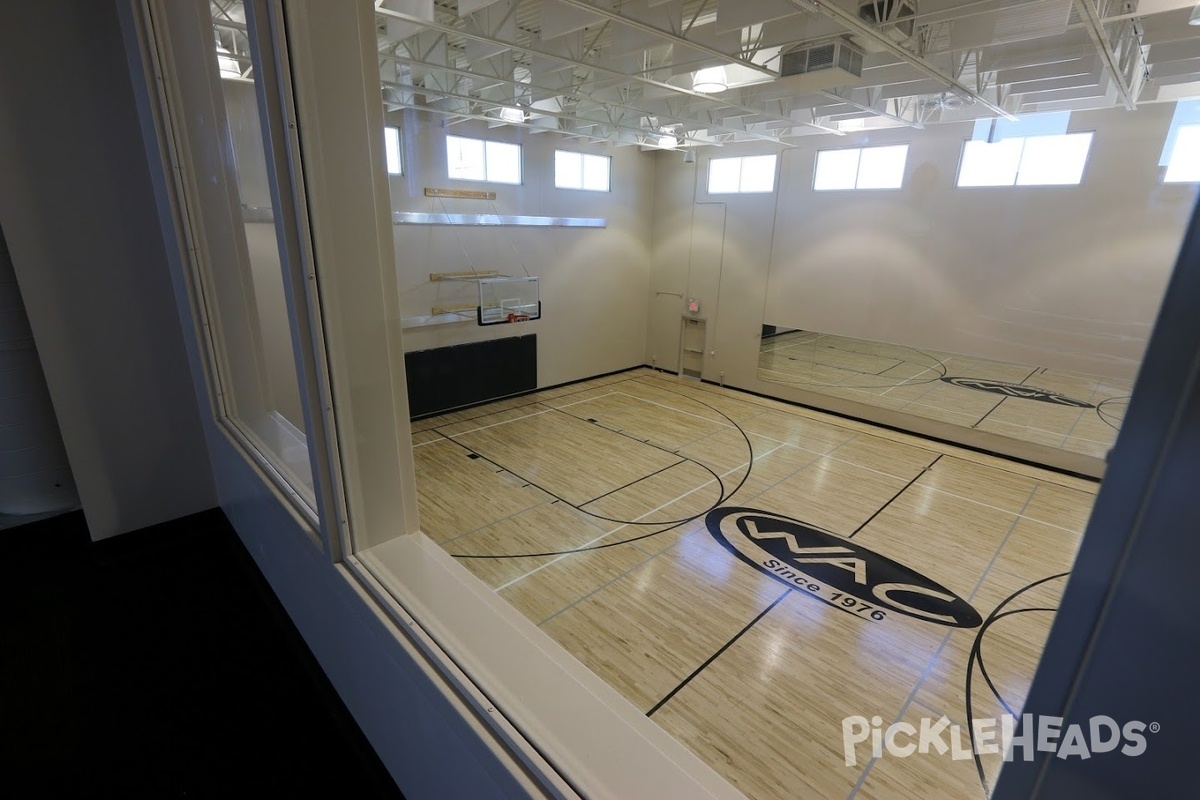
x=519, y=221
x=465, y=275
x=461, y=194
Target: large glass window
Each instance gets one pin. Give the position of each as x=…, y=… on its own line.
x=1026, y=161
x=861, y=168
x=1184, y=164
x=741, y=175
x=391, y=148
x=581, y=171
x=237, y=266
x=482, y=160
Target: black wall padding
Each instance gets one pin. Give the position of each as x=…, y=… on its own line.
x=462, y=374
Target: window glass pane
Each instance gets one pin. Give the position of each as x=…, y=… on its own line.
x=391, y=145
x=1054, y=160
x=990, y=163
x=1185, y=157
x=596, y=173
x=836, y=169
x=882, y=167
x=464, y=159
x=243, y=291
x=758, y=174
x=503, y=162
x=724, y=175
x=568, y=170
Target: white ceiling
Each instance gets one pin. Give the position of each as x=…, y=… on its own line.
x=621, y=70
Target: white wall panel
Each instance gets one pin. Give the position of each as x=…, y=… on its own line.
x=78, y=214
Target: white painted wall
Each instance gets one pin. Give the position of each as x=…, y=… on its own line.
x=77, y=211
x=592, y=281
x=1067, y=277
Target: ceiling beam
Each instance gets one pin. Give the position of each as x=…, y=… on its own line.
x=1095, y=30
x=858, y=26
x=850, y=101
x=668, y=35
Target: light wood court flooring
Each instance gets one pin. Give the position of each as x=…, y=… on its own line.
x=584, y=507
x=1014, y=400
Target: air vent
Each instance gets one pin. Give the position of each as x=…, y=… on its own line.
x=821, y=66
x=896, y=14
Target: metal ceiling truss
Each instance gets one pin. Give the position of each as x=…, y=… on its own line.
x=621, y=70
x=596, y=69
x=575, y=95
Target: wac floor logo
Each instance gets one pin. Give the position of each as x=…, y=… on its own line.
x=1017, y=390
x=835, y=569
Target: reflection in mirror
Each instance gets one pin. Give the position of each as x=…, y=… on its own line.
x=1068, y=410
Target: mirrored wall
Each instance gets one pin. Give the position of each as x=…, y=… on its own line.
x=989, y=285
x=1073, y=411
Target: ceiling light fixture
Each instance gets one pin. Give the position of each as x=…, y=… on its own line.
x=710, y=80
x=226, y=63
x=1195, y=18
x=512, y=114
x=666, y=141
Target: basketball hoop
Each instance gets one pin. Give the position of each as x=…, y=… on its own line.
x=518, y=317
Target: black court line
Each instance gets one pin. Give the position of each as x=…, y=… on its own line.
x=937, y=366
x=1104, y=414
x=433, y=417
x=983, y=670
x=892, y=367
x=842, y=415
x=670, y=525
x=705, y=467
x=632, y=482
x=714, y=656
x=989, y=413
x=559, y=499
x=974, y=656
x=895, y=496
x=841, y=368
x=1002, y=399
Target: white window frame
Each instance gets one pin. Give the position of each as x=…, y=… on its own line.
x=1016, y=179
x=583, y=159
x=487, y=178
x=858, y=169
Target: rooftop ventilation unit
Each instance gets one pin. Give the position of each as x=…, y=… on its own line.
x=821, y=66
x=896, y=14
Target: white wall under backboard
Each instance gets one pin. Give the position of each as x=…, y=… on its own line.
x=1066, y=277
x=592, y=281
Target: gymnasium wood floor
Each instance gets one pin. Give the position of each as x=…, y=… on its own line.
x=1072, y=411
x=584, y=507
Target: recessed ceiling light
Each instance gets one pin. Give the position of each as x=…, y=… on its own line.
x=710, y=80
